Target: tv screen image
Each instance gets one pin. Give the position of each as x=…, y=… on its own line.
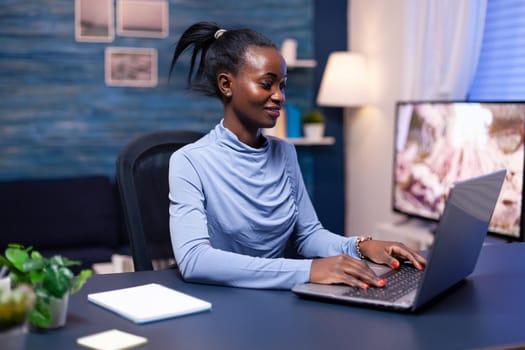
x=438, y=143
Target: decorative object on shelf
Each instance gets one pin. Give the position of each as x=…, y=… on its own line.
x=313, y=124
x=289, y=52
x=344, y=82
x=293, y=121
x=51, y=279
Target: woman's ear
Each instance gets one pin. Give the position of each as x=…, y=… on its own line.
x=224, y=82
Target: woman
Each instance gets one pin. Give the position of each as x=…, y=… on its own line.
x=237, y=197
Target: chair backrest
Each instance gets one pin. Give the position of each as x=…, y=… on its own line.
x=142, y=178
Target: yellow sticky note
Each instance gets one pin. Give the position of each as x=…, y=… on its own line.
x=111, y=340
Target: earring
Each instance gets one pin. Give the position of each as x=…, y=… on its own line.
x=228, y=93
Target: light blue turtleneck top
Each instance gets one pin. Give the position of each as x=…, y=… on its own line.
x=233, y=208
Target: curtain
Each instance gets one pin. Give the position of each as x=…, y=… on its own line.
x=501, y=70
x=442, y=41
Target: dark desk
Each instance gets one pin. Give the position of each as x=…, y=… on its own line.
x=488, y=310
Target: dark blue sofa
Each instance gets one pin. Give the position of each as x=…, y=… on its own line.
x=78, y=217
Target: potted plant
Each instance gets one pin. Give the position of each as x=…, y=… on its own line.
x=313, y=124
x=15, y=305
x=52, y=281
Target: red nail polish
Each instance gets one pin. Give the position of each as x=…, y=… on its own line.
x=395, y=264
x=365, y=286
x=382, y=282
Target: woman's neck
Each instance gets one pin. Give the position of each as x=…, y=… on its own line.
x=249, y=137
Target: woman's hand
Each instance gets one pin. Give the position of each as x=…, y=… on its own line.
x=388, y=253
x=356, y=273
x=344, y=269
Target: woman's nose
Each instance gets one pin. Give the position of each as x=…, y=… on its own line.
x=279, y=95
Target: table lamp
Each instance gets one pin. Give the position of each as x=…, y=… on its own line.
x=344, y=82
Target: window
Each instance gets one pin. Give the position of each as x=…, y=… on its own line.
x=500, y=74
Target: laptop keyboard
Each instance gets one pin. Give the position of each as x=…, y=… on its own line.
x=399, y=282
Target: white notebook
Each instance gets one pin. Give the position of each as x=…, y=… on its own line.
x=149, y=302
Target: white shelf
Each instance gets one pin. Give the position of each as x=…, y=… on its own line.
x=302, y=64
x=303, y=141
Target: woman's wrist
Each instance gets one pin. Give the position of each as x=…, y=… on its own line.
x=358, y=242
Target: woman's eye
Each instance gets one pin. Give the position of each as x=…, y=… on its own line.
x=266, y=85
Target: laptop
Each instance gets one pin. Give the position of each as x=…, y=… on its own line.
x=458, y=239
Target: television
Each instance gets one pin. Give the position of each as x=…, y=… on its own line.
x=439, y=142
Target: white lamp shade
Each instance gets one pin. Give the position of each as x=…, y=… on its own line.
x=344, y=82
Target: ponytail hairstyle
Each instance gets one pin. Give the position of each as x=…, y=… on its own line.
x=217, y=50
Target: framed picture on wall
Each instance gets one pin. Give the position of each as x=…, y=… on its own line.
x=126, y=66
x=143, y=18
x=94, y=20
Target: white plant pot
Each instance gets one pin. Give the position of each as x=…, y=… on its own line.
x=313, y=130
x=5, y=284
x=58, y=308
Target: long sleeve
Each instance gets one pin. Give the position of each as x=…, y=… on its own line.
x=312, y=239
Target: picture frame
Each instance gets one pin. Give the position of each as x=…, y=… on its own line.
x=126, y=66
x=94, y=21
x=143, y=18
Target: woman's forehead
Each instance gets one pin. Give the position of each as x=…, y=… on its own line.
x=263, y=60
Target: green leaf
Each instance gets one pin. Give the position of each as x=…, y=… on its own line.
x=80, y=280
x=314, y=116
x=18, y=277
x=36, y=255
x=57, y=280
x=19, y=247
x=63, y=261
x=40, y=316
x=17, y=257
x=7, y=263
x=33, y=265
x=42, y=294
x=36, y=276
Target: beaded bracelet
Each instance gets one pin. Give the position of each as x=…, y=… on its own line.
x=358, y=242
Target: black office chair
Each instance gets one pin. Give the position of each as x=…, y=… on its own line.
x=142, y=179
